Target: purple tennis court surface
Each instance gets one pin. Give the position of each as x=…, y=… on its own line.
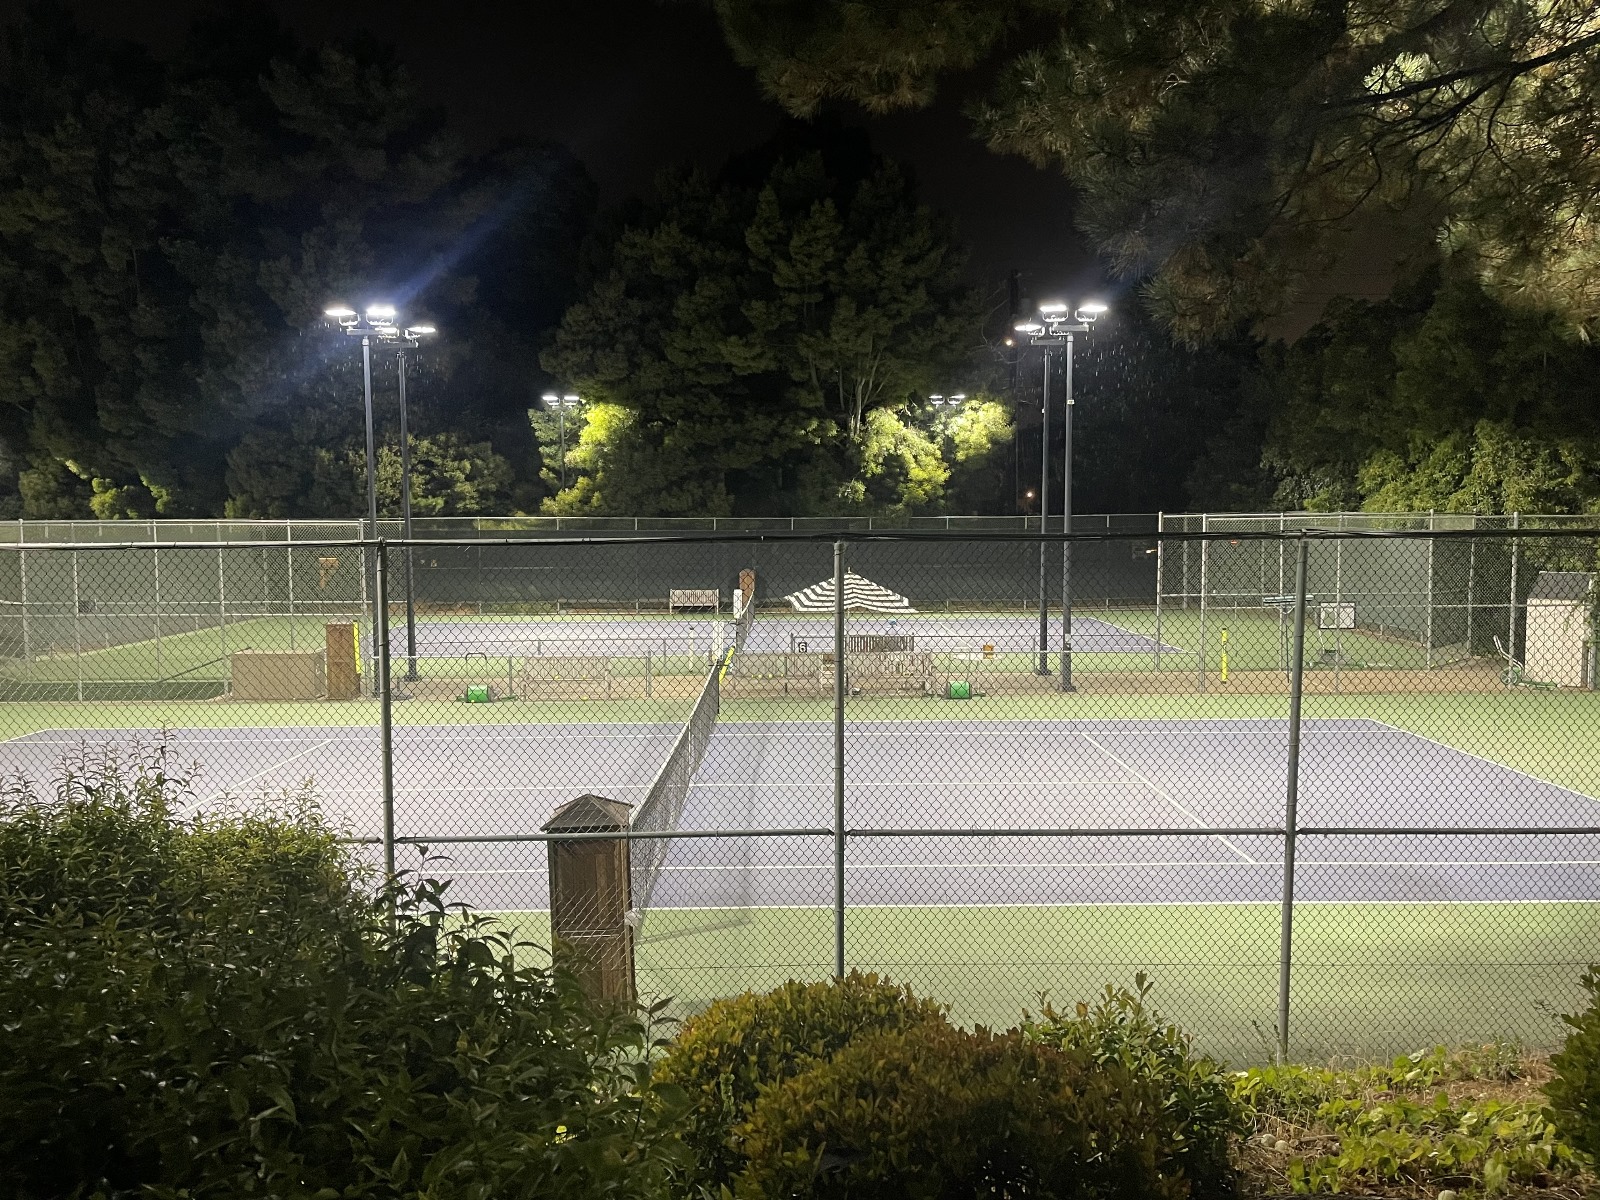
x=780, y=634
x=1126, y=774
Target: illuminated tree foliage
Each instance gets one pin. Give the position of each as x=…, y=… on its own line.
x=1226, y=149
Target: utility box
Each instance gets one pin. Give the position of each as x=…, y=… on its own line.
x=1560, y=632
x=591, y=899
x=265, y=675
x=343, y=670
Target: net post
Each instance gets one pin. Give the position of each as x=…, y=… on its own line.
x=380, y=663
x=838, y=759
x=1292, y=797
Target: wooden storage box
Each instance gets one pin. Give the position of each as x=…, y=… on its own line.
x=273, y=675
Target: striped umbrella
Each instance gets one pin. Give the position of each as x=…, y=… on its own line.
x=859, y=593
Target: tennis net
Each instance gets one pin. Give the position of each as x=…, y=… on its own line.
x=662, y=809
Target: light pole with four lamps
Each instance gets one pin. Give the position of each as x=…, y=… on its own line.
x=379, y=325
x=561, y=404
x=1053, y=328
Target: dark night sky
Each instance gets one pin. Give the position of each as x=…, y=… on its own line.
x=633, y=85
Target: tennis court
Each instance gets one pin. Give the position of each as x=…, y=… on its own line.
x=989, y=921
x=1023, y=841
x=465, y=780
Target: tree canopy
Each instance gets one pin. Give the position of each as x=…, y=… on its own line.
x=1442, y=397
x=170, y=233
x=747, y=341
x=1226, y=149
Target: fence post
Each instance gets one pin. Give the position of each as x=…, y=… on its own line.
x=1472, y=571
x=1338, y=602
x=155, y=556
x=222, y=618
x=1185, y=546
x=22, y=568
x=380, y=664
x=1161, y=559
x=1511, y=620
x=77, y=632
x=1427, y=632
x=1205, y=560
x=288, y=538
x=838, y=759
x=1291, y=798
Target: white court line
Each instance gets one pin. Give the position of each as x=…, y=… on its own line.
x=363, y=733
x=1107, y=865
x=940, y=729
x=827, y=782
x=1422, y=737
x=1273, y=903
x=1163, y=793
x=458, y=786
x=277, y=766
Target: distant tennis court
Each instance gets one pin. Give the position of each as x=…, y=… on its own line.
x=772, y=633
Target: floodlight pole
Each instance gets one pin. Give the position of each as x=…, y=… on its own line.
x=1066, y=530
x=372, y=477
x=1044, y=509
x=379, y=322
x=1055, y=328
x=405, y=517
x=561, y=423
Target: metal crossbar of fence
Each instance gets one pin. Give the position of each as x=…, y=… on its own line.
x=1335, y=790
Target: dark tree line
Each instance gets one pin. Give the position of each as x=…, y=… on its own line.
x=170, y=233
x=764, y=338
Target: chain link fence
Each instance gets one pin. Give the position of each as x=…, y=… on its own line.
x=1337, y=791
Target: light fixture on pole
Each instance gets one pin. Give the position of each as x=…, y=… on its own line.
x=1057, y=328
x=379, y=325
x=560, y=404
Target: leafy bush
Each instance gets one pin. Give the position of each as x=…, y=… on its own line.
x=1438, y=1143
x=724, y=1056
x=1399, y=1125
x=1199, y=1114
x=935, y=1111
x=213, y=1006
x=1575, y=1091
x=1296, y=1093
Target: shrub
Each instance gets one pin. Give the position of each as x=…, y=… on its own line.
x=1198, y=1111
x=1575, y=1091
x=1400, y=1141
x=935, y=1111
x=724, y=1056
x=1399, y=1124
x=214, y=1006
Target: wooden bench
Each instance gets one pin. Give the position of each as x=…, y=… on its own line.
x=694, y=598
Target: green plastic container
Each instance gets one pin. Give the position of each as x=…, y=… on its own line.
x=478, y=693
x=960, y=689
